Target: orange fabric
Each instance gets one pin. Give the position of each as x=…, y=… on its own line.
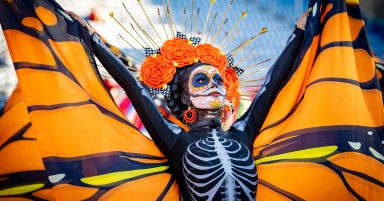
x=335, y=29
x=46, y=16
x=266, y=194
x=36, y=53
x=303, y=179
x=70, y=192
x=32, y=23
x=80, y=132
x=19, y=153
x=135, y=190
x=366, y=189
x=360, y=163
x=323, y=131
x=46, y=96
x=72, y=54
x=47, y=194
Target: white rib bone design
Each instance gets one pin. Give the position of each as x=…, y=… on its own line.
x=218, y=168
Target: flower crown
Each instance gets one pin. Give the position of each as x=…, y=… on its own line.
x=161, y=63
x=160, y=66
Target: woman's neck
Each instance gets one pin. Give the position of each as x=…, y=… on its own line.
x=208, y=115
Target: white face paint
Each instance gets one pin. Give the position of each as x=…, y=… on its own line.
x=206, y=88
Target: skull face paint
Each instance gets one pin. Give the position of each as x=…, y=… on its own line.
x=206, y=88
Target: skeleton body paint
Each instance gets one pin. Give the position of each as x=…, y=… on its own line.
x=223, y=164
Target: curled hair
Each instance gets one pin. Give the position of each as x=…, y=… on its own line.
x=179, y=85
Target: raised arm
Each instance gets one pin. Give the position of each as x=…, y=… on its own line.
x=163, y=132
x=253, y=119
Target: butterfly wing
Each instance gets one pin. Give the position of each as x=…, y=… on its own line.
x=322, y=138
x=88, y=148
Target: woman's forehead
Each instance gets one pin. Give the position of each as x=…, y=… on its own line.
x=207, y=69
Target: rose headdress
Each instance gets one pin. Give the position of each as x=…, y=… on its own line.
x=163, y=61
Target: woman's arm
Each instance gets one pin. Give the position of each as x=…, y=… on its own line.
x=163, y=132
x=253, y=119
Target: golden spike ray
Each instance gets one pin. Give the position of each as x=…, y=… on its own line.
x=246, y=59
x=245, y=44
x=174, y=30
x=243, y=15
x=150, y=39
x=248, y=85
x=222, y=22
x=252, y=80
x=193, y=5
x=133, y=47
x=208, y=15
x=162, y=23
x=231, y=39
x=130, y=68
x=185, y=20
x=118, y=22
x=256, y=64
x=255, y=71
x=149, y=20
x=246, y=98
x=197, y=21
x=166, y=11
x=253, y=86
x=137, y=24
x=210, y=28
x=138, y=34
x=171, y=15
x=247, y=93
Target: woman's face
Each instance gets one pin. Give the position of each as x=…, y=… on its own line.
x=206, y=88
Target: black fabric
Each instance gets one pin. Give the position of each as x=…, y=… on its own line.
x=252, y=121
x=178, y=145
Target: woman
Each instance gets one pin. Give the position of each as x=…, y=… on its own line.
x=208, y=162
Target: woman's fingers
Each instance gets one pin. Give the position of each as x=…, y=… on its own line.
x=303, y=19
x=309, y=10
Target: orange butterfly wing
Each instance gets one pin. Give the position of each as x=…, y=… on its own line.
x=322, y=138
x=89, y=149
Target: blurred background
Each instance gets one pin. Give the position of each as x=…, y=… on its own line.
x=278, y=15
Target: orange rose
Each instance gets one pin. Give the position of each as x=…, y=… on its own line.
x=180, y=51
x=211, y=55
x=157, y=71
x=231, y=82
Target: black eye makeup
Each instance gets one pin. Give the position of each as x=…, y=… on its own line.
x=200, y=80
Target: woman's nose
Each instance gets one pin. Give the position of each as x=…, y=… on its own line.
x=214, y=85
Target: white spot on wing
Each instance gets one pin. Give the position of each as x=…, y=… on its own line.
x=56, y=178
x=355, y=145
x=314, y=10
x=376, y=153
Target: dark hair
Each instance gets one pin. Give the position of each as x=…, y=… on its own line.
x=179, y=85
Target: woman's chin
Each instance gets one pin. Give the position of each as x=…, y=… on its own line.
x=211, y=108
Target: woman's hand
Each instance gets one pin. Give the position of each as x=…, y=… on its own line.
x=81, y=21
x=302, y=21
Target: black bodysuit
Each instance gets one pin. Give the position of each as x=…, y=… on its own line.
x=209, y=163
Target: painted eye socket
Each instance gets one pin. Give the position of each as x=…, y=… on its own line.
x=218, y=79
x=200, y=80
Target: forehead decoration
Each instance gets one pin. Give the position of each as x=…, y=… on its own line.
x=181, y=50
